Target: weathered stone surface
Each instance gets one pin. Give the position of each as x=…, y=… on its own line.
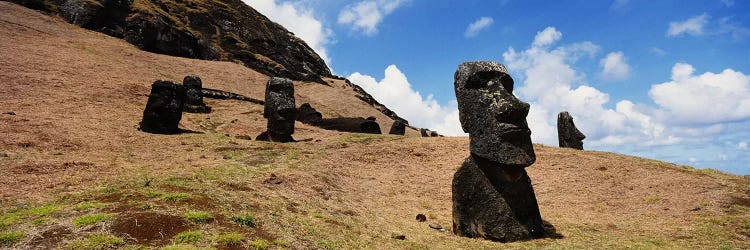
x=567, y=134
x=194, y=95
x=398, y=128
x=494, y=118
x=279, y=110
x=163, y=110
x=492, y=194
x=349, y=124
x=307, y=114
x=495, y=203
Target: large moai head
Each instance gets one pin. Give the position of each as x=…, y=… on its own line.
x=279, y=108
x=163, y=110
x=567, y=134
x=494, y=118
x=398, y=127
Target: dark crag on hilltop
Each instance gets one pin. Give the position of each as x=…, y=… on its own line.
x=226, y=30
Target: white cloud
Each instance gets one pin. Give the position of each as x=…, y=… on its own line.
x=478, y=26
x=706, y=98
x=395, y=92
x=742, y=145
x=299, y=20
x=692, y=26
x=546, y=37
x=365, y=16
x=657, y=51
x=614, y=66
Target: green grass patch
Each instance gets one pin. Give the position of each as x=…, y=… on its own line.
x=98, y=241
x=189, y=237
x=198, y=216
x=21, y=215
x=40, y=221
x=10, y=238
x=258, y=245
x=180, y=247
x=245, y=220
x=175, y=197
x=91, y=219
x=229, y=239
x=86, y=205
x=280, y=243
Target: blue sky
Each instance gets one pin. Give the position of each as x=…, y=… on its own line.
x=665, y=79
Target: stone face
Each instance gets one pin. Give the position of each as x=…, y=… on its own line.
x=194, y=95
x=279, y=110
x=349, y=124
x=567, y=134
x=492, y=115
x=307, y=114
x=398, y=128
x=492, y=193
x=163, y=110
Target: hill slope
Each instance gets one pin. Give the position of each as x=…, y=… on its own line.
x=77, y=167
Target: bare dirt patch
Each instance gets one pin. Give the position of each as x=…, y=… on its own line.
x=149, y=228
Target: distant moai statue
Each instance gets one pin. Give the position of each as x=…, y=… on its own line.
x=163, y=110
x=424, y=132
x=398, y=127
x=194, y=99
x=492, y=194
x=308, y=114
x=279, y=110
x=567, y=134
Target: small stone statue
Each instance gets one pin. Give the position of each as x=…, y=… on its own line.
x=567, y=134
x=492, y=193
x=280, y=111
x=194, y=102
x=163, y=110
x=398, y=128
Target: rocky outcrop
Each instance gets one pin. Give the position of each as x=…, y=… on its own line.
x=492, y=194
x=163, y=110
x=279, y=110
x=221, y=94
x=226, y=30
x=568, y=135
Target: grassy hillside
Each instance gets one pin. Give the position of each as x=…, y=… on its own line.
x=79, y=175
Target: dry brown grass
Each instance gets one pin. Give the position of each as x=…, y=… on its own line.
x=78, y=96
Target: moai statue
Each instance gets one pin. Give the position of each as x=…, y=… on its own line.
x=492, y=193
x=567, y=134
x=398, y=127
x=424, y=132
x=280, y=111
x=307, y=114
x=163, y=110
x=194, y=102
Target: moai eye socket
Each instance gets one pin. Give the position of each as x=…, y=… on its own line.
x=483, y=79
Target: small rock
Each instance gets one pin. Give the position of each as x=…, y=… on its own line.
x=436, y=226
x=10, y=113
x=421, y=217
x=274, y=180
x=203, y=157
x=398, y=236
x=227, y=157
x=695, y=209
x=601, y=168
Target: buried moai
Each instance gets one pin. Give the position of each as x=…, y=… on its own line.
x=398, y=127
x=567, y=134
x=280, y=111
x=163, y=110
x=492, y=194
x=194, y=95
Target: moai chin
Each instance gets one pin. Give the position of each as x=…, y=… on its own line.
x=492, y=194
x=280, y=111
x=568, y=135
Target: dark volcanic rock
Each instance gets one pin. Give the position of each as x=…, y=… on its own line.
x=349, y=124
x=492, y=194
x=424, y=132
x=279, y=110
x=398, y=128
x=567, y=134
x=221, y=94
x=194, y=99
x=163, y=110
x=308, y=114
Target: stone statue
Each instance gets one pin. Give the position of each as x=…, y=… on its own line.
x=492, y=194
x=398, y=127
x=163, y=110
x=194, y=99
x=567, y=134
x=279, y=110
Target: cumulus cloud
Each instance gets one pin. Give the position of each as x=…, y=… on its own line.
x=614, y=66
x=706, y=98
x=546, y=37
x=299, y=20
x=478, y=26
x=692, y=26
x=395, y=92
x=365, y=16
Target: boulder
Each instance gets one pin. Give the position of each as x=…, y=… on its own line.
x=492, y=194
x=194, y=95
x=163, y=110
x=567, y=134
x=398, y=128
x=279, y=110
